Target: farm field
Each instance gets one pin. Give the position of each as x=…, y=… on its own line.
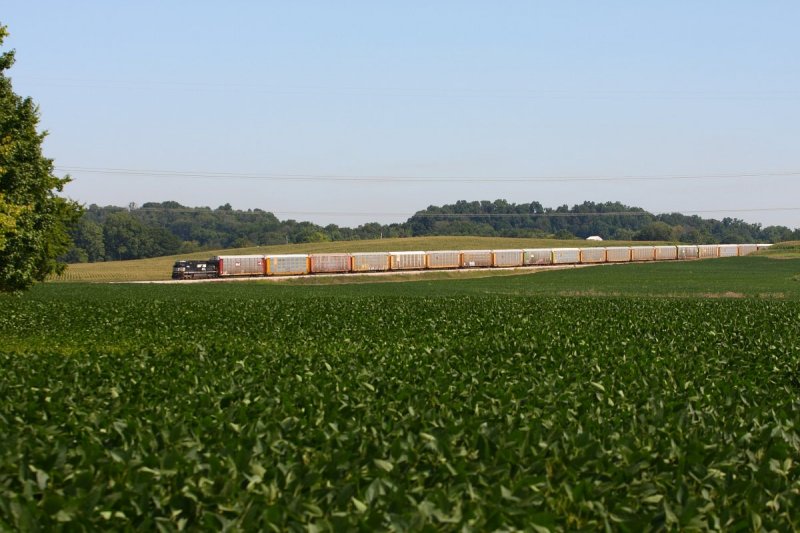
x=734, y=277
x=555, y=401
x=160, y=268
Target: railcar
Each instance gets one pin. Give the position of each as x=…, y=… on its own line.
x=565, y=256
x=537, y=256
x=477, y=258
x=593, y=255
x=329, y=263
x=618, y=254
x=241, y=265
x=508, y=258
x=370, y=262
x=444, y=259
x=408, y=260
x=643, y=253
x=688, y=252
x=747, y=249
x=287, y=265
x=706, y=251
x=300, y=264
x=665, y=253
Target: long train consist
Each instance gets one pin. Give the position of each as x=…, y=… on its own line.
x=225, y=266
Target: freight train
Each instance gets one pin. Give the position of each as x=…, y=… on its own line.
x=226, y=266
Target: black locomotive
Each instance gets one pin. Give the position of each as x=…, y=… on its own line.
x=194, y=269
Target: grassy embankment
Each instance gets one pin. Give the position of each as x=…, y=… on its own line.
x=160, y=268
x=734, y=277
x=771, y=273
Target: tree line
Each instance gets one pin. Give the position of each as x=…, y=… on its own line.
x=34, y=220
x=167, y=228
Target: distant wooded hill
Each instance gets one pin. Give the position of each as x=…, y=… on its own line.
x=156, y=229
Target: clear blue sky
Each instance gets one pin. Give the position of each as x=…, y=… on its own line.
x=425, y=89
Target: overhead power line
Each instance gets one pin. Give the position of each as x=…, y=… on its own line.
x=428, y=91
x=409, y=179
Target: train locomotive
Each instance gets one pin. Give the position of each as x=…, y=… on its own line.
x=226, y=266
x=194, y=269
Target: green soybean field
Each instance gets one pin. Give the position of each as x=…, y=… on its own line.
x=253, y=406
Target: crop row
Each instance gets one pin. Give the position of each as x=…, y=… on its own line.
x=405, y=413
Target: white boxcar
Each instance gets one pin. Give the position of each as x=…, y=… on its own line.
x=508, y=258
x=763, y=246
x=287, y=265
x=593, y=255
x=643, y=253
x=537, y=256
x=444, y=259
x=329, y=263
x=618, y=254
x=728, y=250
x=370, y=262
x=747, y=249
x=708, y=250
x=241, y=265
x=563, y=256
x=407, y=260
x=476, y=258
x=688, y=252
x=663, y=253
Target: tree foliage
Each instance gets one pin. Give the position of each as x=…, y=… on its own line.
x=655, y=231
x=610, y=220
x=34, y=221
x=157, y=229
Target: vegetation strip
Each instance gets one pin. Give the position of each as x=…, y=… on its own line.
x=330, y=408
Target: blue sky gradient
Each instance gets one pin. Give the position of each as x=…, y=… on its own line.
x=427, y=89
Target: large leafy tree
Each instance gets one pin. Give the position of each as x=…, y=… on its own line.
x=34, y=220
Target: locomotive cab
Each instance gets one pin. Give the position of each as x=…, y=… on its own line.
x=194, y=269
